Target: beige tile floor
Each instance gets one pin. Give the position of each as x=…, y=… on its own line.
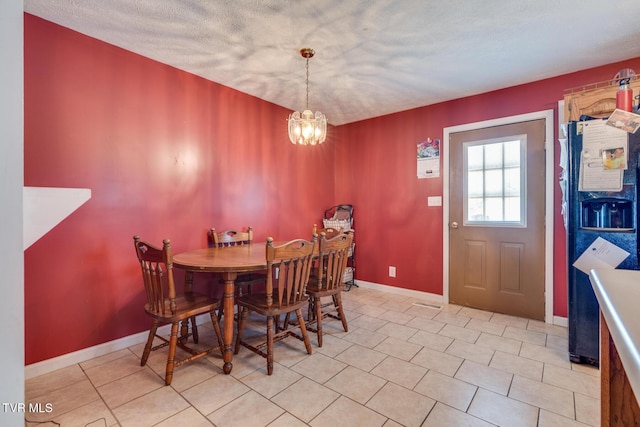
x=400, y=364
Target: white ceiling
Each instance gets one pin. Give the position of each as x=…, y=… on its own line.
x=372, y=57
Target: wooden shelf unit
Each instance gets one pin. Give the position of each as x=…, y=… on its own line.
x=351, y=264
x=596, y=100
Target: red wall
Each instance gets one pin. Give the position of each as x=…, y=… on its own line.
x=395, y=225
x=168, y=155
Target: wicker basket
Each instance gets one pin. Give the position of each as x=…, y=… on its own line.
x=348, y=275
x=345, y=224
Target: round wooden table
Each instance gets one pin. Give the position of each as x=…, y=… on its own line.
x=228, y=261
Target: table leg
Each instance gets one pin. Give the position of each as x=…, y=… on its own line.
x=188, y=287
x=227, y=321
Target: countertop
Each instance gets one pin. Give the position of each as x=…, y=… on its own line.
x=618, y=292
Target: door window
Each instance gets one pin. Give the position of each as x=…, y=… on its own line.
x=495, y=182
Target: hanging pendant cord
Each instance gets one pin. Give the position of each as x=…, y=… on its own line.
x=307, y=83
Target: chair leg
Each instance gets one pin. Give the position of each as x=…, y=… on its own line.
x=303, y=329
x=270, y=327
x=242, y=319
x=318, y=304
x=242, y=288
x=147, y=347
x=343, y=318
x=194, y=329
x=310, y=310
x=216, y=328
x=173, y=341
x=285, y=325
x=184, y=331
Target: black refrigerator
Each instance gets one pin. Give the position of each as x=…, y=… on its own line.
x=611, y=215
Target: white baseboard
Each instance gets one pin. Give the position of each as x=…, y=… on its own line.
x=401, y=291
x=561, y=321
x=55, y=363
x=557, y=320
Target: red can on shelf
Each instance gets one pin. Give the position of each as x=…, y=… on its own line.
x=624, y=96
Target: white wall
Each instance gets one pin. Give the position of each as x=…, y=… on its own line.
x=11, y=183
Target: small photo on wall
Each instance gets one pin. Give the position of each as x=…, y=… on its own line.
x=614, y=158
x=429, y=148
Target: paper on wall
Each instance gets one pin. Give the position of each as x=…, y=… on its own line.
x=564, y=165
x=429, y=168
x=428, y=156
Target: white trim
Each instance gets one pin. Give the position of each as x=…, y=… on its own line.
x=55, y=363
x=401, y=291
x=561, y=321
x=549, y=185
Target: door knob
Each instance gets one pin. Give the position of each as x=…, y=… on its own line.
x=454, y=224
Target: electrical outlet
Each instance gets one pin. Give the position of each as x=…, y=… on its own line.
x=392, y=271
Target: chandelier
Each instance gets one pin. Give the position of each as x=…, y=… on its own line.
x=307, y=128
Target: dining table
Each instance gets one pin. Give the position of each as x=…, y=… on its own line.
x=228, y=262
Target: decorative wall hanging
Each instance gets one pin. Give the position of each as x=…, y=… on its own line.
x=429, y=158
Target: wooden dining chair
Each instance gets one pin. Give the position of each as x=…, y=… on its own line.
x=330, y=232
x=332, y=259
x=164, y=306
x=244, y=282
x=231, y=237
x=288, y=268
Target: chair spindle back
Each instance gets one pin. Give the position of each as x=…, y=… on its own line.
x=157, y=274
x=334, y=254
x=231, y=237
x=288, y=270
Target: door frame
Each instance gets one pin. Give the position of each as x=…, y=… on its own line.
x=549, y=198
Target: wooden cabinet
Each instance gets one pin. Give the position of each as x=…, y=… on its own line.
x=619, y=406
x=618, y=295
x=598, y=100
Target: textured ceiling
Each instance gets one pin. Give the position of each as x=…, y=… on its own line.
x=372, y=58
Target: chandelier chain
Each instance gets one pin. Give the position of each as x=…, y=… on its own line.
x=307, y=83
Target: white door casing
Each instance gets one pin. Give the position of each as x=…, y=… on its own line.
x=549, y=192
